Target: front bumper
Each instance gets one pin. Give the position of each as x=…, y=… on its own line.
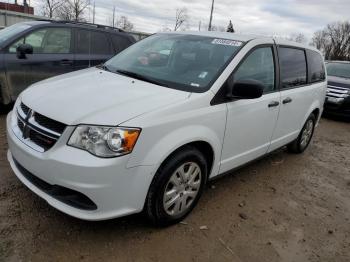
x=340, y=108
x=114, y=189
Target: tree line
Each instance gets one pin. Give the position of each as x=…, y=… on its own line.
x=76, y=10
x=333, y=41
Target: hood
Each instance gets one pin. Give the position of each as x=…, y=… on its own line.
x=94, y=96
x=339, y=81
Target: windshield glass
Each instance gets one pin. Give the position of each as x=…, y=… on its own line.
x=338, y=69
x=186, y=62
x=12, y=30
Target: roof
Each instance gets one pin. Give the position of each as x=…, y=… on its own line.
x=226, y=35
x=243, y=37
x=82, y=24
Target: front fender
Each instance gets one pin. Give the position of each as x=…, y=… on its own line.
x=165, y=131
x=177, y=138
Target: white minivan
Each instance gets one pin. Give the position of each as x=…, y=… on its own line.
x=148, y=129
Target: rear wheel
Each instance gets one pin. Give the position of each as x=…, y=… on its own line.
x=177, y=187
x=300, y=144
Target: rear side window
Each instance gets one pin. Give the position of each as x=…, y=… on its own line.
x=91, y=42
x=120, y=43
x=259, y=66
x=293, y=67
x=316, y=66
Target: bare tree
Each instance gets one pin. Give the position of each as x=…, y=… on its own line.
x=50, y=7
x=124, y=23
x=181, y=18
x=334, y=41
x=299, y=38
x=73, y=10
x=318, y=39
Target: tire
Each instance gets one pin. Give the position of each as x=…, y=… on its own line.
x=169, y=186
x=299, y=145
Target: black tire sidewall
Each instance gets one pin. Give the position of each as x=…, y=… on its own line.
x=158, y=186
x=300, y=148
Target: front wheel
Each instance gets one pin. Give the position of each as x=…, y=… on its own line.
x=176, y=187
x=300, y=144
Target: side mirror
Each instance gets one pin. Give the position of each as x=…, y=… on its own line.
x=23, y=50
x=246, y=89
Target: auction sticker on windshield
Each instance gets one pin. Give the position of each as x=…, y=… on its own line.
x=226, y=42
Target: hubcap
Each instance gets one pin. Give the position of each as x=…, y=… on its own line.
x=182, y=189
x=307, y=133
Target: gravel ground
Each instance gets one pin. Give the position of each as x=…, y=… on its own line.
x=281, y=208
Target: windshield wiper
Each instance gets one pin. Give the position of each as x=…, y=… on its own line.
x=140, y=77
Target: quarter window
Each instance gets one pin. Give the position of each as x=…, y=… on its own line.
x=293, y=67
x=47, y=41
x=259, y=66
x=316, y=66
x=91, y=42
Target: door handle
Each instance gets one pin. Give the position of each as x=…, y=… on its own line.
x=66, y=62
x=274, y=104
x=287, y=100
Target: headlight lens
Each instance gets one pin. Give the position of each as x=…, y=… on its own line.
x=105, y=141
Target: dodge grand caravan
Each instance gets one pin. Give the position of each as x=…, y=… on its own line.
x=149, y=128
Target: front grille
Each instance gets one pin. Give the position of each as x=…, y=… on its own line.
x=25, y=109
x=41, y=140
x=37, y=129
x=20, y=124
x=337, y=91
x=49, y=123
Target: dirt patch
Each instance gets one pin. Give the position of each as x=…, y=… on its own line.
x=282, y=208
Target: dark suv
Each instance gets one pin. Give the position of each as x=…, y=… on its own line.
x=33, y=51
x=338, y=91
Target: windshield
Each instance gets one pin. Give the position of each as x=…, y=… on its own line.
x=338, y=69
x=12, y=30
x=186, y=62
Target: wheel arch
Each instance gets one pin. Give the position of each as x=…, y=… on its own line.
x=315, y=109
x=201, y=137
x=203, y=146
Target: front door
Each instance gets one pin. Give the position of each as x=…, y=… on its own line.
x=52, y=55
x=250, y=123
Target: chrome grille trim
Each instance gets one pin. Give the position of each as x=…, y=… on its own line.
x=34, y=123
x=33, y=134
x=337, y=91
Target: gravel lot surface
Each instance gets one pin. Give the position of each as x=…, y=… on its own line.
x=282, y=208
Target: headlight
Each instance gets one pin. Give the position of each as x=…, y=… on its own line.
x=105, y=141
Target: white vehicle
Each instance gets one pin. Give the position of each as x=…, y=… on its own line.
x=149, y=128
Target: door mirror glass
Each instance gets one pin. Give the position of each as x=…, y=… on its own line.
x=247, y=89
x=23, y=50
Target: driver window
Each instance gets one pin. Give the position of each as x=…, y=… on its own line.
x=259, y=66
x=47, y=41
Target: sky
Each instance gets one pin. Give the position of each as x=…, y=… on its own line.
x=263, y=17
